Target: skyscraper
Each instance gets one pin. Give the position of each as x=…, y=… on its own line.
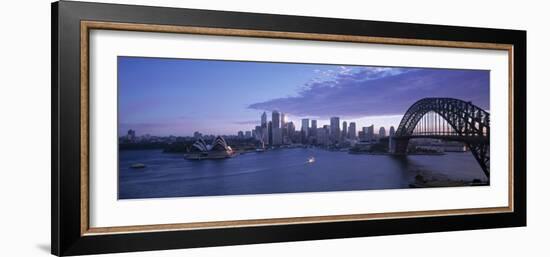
x=305, y=125
x=264, y=131
x=352, y=133
x=344, y=130
x=335, y=128
x=275, y=119
x=270, y=132
x=284, y=129
x=277, y=136
x=382, y=132
x=258, y=133
x=264, y=120
x=291, y=131
x=313, y=130
x=323, y=135
x=361, y=134
x=265, y=134
x=276, y=133
x=305, y=128
x=369, y=132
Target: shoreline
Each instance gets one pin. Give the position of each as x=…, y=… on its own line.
x=239, y=152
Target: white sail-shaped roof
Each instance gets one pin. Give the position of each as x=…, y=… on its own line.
x=219, y=144
x=200, y=145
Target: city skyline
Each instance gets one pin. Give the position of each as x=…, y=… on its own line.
x=297, y=124
x=179, y=97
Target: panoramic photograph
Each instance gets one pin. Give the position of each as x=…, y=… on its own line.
x=193, y=127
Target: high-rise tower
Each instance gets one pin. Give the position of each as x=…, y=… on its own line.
x=335, y=128
x=352, y=131
x=344, y=130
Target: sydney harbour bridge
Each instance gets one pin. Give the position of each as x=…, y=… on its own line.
x=447, y=119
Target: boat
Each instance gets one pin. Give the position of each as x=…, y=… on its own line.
x=137, y=166
x=311, y=159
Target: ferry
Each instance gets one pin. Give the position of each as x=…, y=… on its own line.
x=311, y=159
x=137, y=166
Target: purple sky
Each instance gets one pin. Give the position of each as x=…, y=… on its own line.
x=178, y=96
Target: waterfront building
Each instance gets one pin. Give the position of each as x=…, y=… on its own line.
x=335, y=129
x=304, y=130
x=369, y=132
x=277, y=136
x=258, y=133
x=352, y=133
x=382, y=132
x=286, y=136
x=314, y=124
x=264, y=120
x=265, y=135
x=291, y=131
x=391, y=144
x=275, y=119
x=345, y=130
x=284, y=133
x=284, y=130
x=270, y=133
x=217, y=150
x=291, y=128
x=362, y=134
x=131, y=135
x=313, y=131
x=323, y=136
x=219, y=144
x=199, y=146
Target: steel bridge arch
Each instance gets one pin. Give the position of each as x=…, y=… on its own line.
x=470, y=123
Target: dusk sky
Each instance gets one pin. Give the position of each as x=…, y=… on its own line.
x=160, y=96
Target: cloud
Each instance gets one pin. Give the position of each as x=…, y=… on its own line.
x=380, y=91
x=247, y=122
x=343, y=74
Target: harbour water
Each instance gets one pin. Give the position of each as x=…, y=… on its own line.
x=283, y=171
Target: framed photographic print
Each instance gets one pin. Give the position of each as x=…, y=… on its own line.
x=177, y=128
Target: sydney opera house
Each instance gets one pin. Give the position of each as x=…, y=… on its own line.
x=217, y=150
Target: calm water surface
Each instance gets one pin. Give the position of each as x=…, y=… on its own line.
x=282, y=171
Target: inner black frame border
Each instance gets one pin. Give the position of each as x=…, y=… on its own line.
x=66, y=238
